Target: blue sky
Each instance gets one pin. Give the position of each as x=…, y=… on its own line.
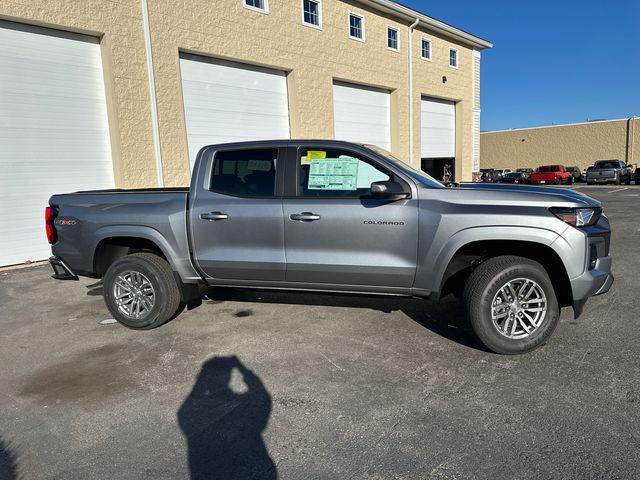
x=553, y=62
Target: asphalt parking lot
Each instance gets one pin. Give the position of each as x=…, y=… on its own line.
x=308, y=386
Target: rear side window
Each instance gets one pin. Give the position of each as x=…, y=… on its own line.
x=245, y=173
x=549, y=168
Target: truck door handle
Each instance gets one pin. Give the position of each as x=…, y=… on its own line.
x=304, y=217
x=214, y=216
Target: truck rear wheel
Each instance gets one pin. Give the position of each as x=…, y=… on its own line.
x=511, y=304
x=140, y=291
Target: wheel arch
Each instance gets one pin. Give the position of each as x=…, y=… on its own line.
x=113, y=243
x=461, y=255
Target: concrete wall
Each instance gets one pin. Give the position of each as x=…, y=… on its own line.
x=225, y=29
x=578, y=144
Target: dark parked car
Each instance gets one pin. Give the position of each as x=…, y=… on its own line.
x=525, y=170
x=609, y=171
x=515, y=177
x=575, y=172
x=489, y=175
x=636, y=176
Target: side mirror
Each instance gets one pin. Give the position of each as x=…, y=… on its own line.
x=388, y=190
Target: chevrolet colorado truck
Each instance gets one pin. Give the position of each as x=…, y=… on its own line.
x=337, y=217
x=609, y=171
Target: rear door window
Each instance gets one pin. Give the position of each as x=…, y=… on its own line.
x=245, y=173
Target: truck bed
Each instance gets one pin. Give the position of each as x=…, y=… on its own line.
x=86, y=220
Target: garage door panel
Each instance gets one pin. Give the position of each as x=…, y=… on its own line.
x=53, y=130
x=438, y=128
x=229, y=102
x=362, y=114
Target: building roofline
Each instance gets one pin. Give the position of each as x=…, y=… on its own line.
x=408, y=13
x=561, y=125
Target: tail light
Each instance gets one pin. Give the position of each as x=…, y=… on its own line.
x=50, y=214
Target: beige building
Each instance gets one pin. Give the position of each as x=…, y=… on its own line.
x=578, y=144
x=123, y=93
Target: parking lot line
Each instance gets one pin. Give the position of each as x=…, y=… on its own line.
x=619, y=190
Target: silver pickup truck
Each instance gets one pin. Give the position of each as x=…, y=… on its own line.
x=337, y=217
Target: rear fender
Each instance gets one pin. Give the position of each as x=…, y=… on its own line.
x=177, y=261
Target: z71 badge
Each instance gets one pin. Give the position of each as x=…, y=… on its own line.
x=65, y=221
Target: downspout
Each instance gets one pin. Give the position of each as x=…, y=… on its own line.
x=411, y=27
x=152, y=93
x=631, y=123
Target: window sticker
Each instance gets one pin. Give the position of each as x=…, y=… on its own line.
x=333, y=173
x=311, y=154
x=259, y=165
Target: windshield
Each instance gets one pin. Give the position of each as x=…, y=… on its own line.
x=607, y=164
x=418, y=175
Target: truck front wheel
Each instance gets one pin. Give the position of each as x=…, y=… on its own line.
x=140, y=291
x=511, y=304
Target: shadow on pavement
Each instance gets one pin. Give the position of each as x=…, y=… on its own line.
x=8, y=463
x=223, y=420
x=446, y=318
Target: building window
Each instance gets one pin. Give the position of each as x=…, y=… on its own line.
x=453, y=58
x=312, y=13
x=356, y=26
x=393, y=40
x=425, y=51
x=259, y=5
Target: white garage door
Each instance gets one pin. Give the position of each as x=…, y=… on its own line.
x=232, y=102
x=362, y=114
x=54, y=135
x=438, y=128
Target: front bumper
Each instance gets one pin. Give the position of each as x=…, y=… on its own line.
x=60, y=270
x=592, y=282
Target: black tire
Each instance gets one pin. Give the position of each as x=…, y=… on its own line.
x=617, y=181
x=482, y=286
x=570, y=181
x=628, y=182
x=167, y=302
x=638, y=182
x=590, y=183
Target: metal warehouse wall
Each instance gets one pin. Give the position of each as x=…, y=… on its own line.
x=578, y=144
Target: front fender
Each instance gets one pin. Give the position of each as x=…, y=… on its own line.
x=432, y=267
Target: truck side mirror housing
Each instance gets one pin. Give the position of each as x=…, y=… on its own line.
x=388, y=190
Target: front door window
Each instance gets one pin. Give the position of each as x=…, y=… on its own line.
x=336, y=173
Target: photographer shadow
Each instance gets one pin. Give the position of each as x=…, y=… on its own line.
x=223, y=426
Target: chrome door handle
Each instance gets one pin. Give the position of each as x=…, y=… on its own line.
x=304, y=217
x=214, y=216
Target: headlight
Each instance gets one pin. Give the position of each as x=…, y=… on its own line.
x=578, y=217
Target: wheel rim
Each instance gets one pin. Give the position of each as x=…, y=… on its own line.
x=134, y=294
x=519, y=308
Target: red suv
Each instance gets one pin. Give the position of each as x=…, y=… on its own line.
x=554, y=174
